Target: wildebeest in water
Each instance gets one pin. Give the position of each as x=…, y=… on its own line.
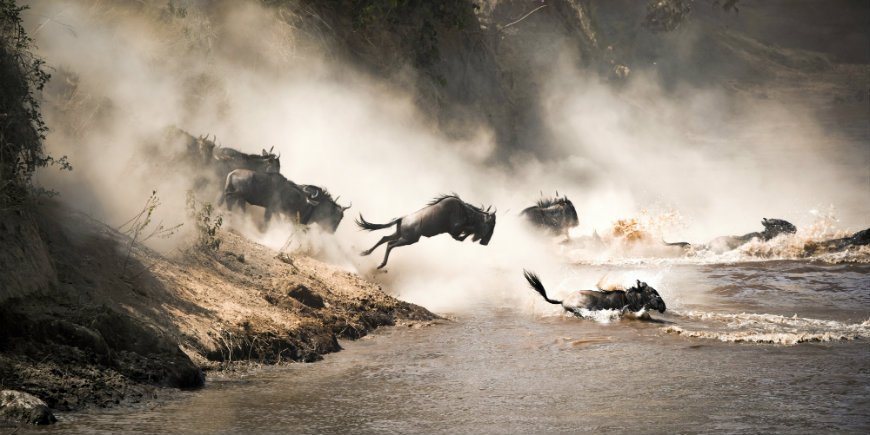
x=445, y=214
x=275, y=193
x=639, y=297
x=556, y=215
x=772, y=228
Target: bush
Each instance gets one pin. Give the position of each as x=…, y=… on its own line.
x=207, y=224
x=22, y=129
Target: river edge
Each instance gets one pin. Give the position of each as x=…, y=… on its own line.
x=89, y=319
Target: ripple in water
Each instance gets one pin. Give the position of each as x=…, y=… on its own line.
x=768, y=328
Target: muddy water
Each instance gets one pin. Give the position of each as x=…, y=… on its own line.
x=757, y=347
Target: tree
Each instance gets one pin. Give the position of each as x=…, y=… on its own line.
x=22, y=129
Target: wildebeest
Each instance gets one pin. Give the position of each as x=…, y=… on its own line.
x=444, y=214
x=225, y=160
x=271, y=191
x=203, y=152
x=639, y=297
x=556, y=215
x=275, y=193
x=328, y=213
x=772, y=228
x=861, y=238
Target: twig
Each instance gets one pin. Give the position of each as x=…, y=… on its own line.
x=524, y=16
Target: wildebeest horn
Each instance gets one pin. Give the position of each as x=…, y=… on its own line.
x=270, y=149
x=312, y=202
x=345, y=208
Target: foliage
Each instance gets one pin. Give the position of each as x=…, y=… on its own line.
x=667, y=15
x=22, y=129
x=207, y=225
x=138, y=226
x=171, y=10
x=421, y=21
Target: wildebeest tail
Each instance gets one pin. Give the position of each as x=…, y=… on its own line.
x=538, y=287
x=368, y=226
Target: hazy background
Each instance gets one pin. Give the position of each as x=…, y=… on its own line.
x=713, y=158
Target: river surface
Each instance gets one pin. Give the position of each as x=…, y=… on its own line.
x=758, y=347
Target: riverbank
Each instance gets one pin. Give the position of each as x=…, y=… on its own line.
x=88, y=318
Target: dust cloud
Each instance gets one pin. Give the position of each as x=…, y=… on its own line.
x=125, y=72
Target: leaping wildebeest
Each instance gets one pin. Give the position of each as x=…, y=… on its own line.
x=444, y=214
x=639, y=297
x=556, y=215
x=272, y=191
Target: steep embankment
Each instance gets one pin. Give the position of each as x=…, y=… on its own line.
x=85, y=324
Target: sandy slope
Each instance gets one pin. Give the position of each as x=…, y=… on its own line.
x=77, y=327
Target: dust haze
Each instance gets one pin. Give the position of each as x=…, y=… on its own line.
x=123, y=73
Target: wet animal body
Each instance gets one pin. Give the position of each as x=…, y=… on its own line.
x=445, y=214
x=639, y=297
x=555, y=215
x=861, y=238
x=772, y=228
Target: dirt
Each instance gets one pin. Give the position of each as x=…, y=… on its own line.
x=86, y=319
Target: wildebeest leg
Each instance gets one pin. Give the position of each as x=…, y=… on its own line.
x=383, y=240
x=390, y=246
x=460, y=237
x=267, y=216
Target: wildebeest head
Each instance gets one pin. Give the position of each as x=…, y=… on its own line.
x=486, y=227
x=271, y=162
x=642, y=296
x=205, y=146
x=570, y=213
x=327, y=212
x=775, y=227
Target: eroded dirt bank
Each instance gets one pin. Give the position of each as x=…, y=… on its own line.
x=81, y=323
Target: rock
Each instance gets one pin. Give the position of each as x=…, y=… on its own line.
x=306, y=296
x=17, y=407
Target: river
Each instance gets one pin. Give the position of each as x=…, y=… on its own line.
x=772, y=346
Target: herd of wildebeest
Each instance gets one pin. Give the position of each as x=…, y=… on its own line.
x=255, y=179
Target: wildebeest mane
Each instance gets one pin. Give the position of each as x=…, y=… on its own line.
x=549, y=202
x=440, y=198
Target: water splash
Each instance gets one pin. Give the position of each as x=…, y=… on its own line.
x=638, y=240
x=767, y=328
